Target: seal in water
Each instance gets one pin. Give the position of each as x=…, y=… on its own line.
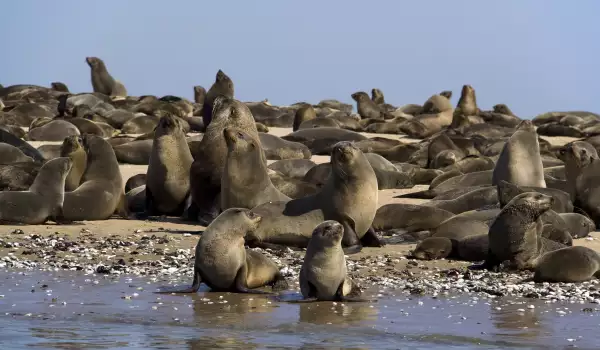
x=324, y=275
x=222, y=262
x=42, y=201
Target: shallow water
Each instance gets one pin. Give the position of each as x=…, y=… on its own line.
x=68, y=310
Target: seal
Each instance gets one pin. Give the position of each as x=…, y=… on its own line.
x=295, y=168
x=168, y=174
x=223, y=86
x=480, y=197
x=43, y=200
x=433, y=248
x=366, y=107
x=515, y=234
x=303, y=114
x=276, y=148
x=72, y=147
x=134, y=152
x=101, y=191
x=520, y=162
x=245, y=182
x=467, y=104
x=222, y=262
x=10, y=154
x=59, y=86
x=102, y=81
x=324, y=275
x=210, y=157
x=569, y=265
x=578, y=225
x=410, y=217
x=53, y=130
x=349, y=197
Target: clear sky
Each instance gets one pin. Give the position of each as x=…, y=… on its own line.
x=535, y=56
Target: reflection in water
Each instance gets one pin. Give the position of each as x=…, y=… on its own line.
x=515, y=320
x=337, y=313
x=219, y=343
x=231, y=309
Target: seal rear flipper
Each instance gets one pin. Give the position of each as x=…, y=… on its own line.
x=241, y=285
x=123, y=210
x=279, y=283
x=370, y=239
x=193, y=289
x=59, y=217
x=352, y=297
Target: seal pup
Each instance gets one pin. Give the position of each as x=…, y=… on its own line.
x=520, y=162
x=210, y=157
x=102, y=81
x=101, y=191
x=72, y=147
x=222, y=262
x=223, y=86
x=568, y=265
x=515, y=234
x=349, y=197
x=43, y=200
x=324, y=274
x=168, y=174
x=245, y=182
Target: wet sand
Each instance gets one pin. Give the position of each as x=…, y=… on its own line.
x=97, y=268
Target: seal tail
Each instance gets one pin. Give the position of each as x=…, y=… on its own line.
x=427, y=194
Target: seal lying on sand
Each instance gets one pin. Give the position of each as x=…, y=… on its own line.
x=222, y=262
x=42, y=201
x=569, y=265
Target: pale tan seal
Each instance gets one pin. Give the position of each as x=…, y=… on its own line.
x=569, y=265
x=222, y=262
x=324, y=275
x=72, y=147
x=520, y=162
x=245, y=182
x=101, y=193
x=349, y=197
x=43, y=200
x=168, y=174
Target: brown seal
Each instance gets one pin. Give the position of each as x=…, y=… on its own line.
x=245, y=182
x=304, y=113
x=349, y=197
x=223, y=86
x=323, y=275
x=467, y=104
x=222, y=262
x=366, y=107
x=569, y=265
x=102, y=81
x=168, y=174
x=210, y=157
x=72, y=147
x=43, y=200
x=101, y=191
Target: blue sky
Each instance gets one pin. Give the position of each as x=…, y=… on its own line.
x=535, y=56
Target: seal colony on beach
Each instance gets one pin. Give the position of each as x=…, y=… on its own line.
x=500, y=196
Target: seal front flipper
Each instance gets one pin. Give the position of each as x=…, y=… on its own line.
x=241, y=284
x=350, y=241
x=59, y=218
x=370, y=239
x=193, y=289
x=310, y=297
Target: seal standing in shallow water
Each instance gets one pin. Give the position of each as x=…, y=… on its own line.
x=43, y=200
x=349, y=197
x=222, y=262
x=168, y=175
x=102, y=81
x=223, y=86
x=520, y=162
x=324, y=275
x=210, y=157
x=101, y=191
x=245, y=182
